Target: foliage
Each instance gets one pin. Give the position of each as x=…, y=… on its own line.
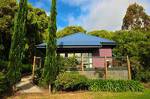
x=7, y=13
x=144, y=76
x=102, y=33
x=115, y=85
x=128, y=42
x=37, y=24
x=145, y=52
x=50, y=68
x=18, y=44
x=61, y=67
x=71, y=81
x=71, y=62
x=26, y=69
x=4, y=86
x=70, y=30
x=3, y=66
x=38, y=74
x=134, y=43
x=61, y=64
x=136, y=18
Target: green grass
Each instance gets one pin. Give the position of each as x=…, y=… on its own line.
x=87, y=95
x=123, y=95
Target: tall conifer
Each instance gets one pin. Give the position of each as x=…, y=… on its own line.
x=18, y=44
x=50, y=68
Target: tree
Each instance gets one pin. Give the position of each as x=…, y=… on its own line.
x=50, y=67
x=37, y=24
x=144, y=52
x=18, y=44
x=8, y=9
x=70, y=30
x=102, y=33
x=135, y=44
x=136, y=18
x=6, y=2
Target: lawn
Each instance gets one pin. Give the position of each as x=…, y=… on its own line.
x=87, y=95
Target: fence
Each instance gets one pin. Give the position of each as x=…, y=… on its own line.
x=107, y=68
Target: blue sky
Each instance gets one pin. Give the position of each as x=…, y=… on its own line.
x=90, y=14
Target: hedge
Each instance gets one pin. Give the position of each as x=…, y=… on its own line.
x=71, y=81
x=115, y=85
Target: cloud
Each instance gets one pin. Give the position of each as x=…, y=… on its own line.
x=102, y=14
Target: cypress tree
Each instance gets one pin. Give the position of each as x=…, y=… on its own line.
x=18, y=44
x=50, y=67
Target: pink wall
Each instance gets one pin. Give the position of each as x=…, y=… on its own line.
x=98, y=56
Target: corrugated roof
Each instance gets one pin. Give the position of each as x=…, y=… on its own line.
x=80, y=39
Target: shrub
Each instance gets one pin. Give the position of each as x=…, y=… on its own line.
x=26, y=68
x=115, y=85
x=71, y=81
x=71, y=62
x=37, y=76
x=144, y=76
x=65, y=63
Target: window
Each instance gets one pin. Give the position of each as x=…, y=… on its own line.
x=70, y=54
x=62, y=54
x=87, y=60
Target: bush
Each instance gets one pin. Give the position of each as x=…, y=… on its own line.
x=26, y=68
x=71, y=81
x=115, y=85
x=37, y=76
x=144, y=76
x=65, y=63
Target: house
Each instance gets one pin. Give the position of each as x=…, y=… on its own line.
x=89, y=50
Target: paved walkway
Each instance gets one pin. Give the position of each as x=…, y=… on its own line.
x=26, y=86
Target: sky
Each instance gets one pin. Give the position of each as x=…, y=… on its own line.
x=90, y=14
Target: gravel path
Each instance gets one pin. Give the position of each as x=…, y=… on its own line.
x=26, y=86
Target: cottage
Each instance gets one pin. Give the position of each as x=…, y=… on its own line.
x=89, y=50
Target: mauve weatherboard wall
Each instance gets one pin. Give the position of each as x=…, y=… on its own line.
x=98, y=56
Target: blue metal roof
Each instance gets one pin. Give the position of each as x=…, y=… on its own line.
x=80, y=39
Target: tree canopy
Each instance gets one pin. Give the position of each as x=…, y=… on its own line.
x=70, y=30
x=136, y=18
x=37, y=23
x=8, y=9
x=102, y=33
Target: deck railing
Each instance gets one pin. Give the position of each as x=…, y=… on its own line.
x=114, y=68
